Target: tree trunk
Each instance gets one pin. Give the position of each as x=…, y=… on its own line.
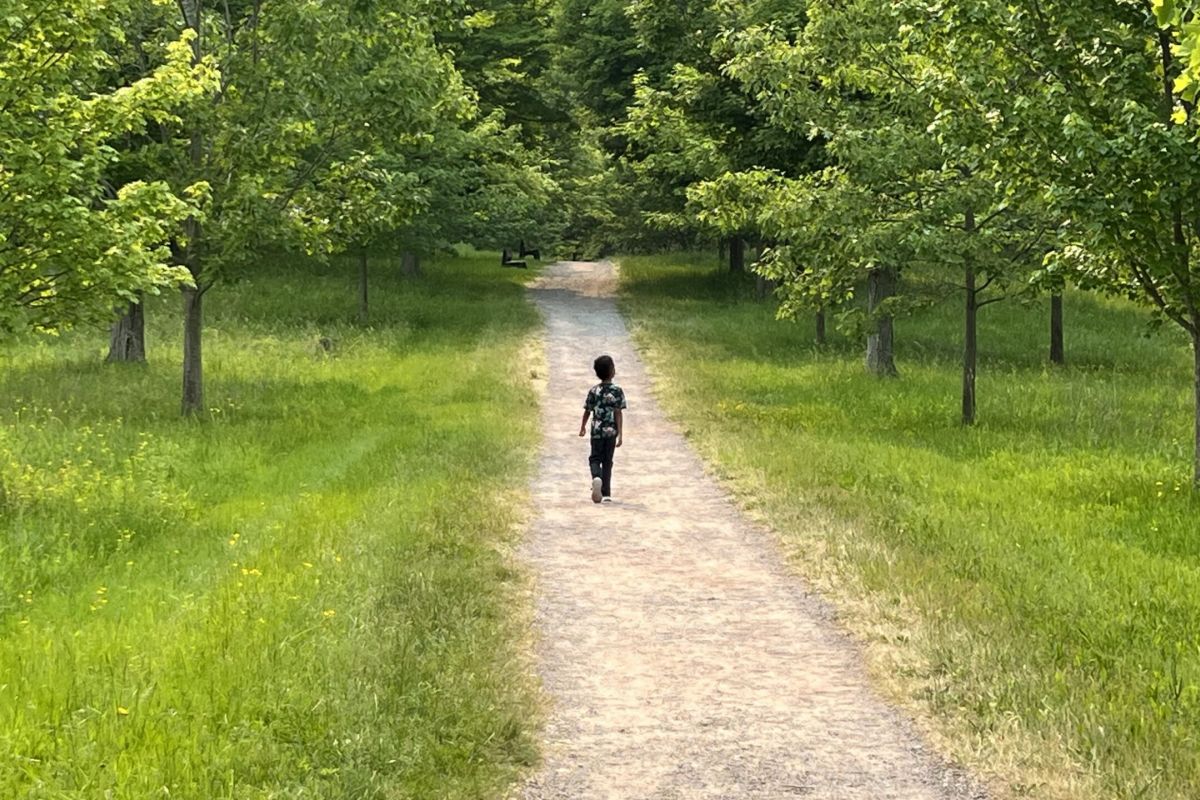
x=737, y=254
x=127, y=338
x=970, y=347
x=881, y=285
x=410, y=265
x=971, y=330
x=364, y=310
x=193, y=325
x=1057, y=355
x=193, y=376
x=1196, y=382
x=821, y=326
x=721, y=243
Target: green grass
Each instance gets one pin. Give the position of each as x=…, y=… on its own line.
x=1031, y=584
x=307, y=595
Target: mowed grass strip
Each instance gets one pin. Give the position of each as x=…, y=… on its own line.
x=306, y=594
x=1032, y=582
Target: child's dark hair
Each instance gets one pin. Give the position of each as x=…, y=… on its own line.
x=605, y=368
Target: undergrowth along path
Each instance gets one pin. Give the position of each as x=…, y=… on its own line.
x=680, y=657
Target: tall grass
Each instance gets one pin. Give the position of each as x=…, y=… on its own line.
x=1032, y=583
x=306, y=594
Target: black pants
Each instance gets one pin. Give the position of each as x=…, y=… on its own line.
x=601, y=461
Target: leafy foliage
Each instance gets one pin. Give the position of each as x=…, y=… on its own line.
x=1182, y=17
x=74, y=241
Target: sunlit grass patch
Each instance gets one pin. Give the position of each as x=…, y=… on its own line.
x=1033, y=581
x=304, y=595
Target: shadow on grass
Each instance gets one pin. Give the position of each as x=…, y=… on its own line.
x=1115, y=396
x=691, y=283
x=446, y=298
x=271, y=321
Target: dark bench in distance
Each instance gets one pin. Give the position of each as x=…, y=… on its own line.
x=506, y=260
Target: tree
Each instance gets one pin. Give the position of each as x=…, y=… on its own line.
x=669, y=148
x=504, y=51
x=913, y=176
x=360, y=200
x=492, y=179
x=1116, y=143
x=690, y=121
x=73, y=243
x=300, y=83
x=596, y=58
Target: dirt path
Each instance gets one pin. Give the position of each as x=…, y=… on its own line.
x=681, y=658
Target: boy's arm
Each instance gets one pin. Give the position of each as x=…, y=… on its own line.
x=620, y=425
x=587, y=412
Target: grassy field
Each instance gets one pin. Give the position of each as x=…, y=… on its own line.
x=307, y=595
x=1030, y=586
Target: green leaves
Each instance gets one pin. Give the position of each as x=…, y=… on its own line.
x=1181, y=19
x=1166, y=11
x=77, y=239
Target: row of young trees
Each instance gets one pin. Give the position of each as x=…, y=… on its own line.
x=1010, y=147
x=148, y=145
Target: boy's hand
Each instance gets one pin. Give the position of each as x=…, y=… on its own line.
x=618, y=441
x=582, y=432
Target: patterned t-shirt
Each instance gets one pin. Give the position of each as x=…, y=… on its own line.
x=603, y=400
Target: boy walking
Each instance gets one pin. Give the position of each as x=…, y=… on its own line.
x=604, y=403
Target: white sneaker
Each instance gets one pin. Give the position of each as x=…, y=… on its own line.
x=606, y=500
x=597, y=487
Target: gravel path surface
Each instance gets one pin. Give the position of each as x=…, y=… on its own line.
x=681, y=658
